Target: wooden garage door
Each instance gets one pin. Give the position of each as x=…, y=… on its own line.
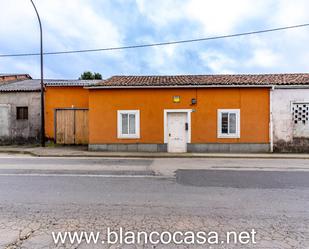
x=71, y=126
x=81, y=127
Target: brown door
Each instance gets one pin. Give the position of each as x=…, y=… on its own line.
x=81, y=127
x=71, y=126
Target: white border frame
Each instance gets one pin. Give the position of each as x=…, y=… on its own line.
x=10, y=116
x=296, y=103
x=137, y=124
x=219, y=125
x=271, y=121
x=188, y=112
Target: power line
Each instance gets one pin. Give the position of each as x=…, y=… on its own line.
x=159, y=43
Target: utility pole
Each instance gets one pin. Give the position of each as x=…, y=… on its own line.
x=42, y=80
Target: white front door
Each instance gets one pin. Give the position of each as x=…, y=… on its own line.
x=177, y=132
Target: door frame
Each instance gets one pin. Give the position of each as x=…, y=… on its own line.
x=188, y=112
x=9, y=106
x=62, y=109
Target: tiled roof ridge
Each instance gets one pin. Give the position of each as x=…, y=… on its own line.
x=206, y=79
x=216, y=74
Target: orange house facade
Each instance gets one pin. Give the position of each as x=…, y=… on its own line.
x=179, y=114
x=64, y=95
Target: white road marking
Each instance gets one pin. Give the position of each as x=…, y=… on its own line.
x=88, y=175
x=77, y=158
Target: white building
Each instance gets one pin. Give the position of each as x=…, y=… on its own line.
x=20, y=111
x=290, y=116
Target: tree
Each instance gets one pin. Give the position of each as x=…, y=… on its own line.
x=97, y=76
x=87, y=75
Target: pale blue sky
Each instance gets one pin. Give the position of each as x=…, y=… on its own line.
x=86, y=24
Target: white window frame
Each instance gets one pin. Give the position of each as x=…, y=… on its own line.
x=223, y=135
x=137, y=124
x=297, y=103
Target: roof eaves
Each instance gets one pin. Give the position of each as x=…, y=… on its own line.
x=19, y=90
x=181, y=86
x=73, y=83
x=295, y=86
x=57, y=85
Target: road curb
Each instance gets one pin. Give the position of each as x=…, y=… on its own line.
x=154, y=155
x=23, y=152
x=77, y=172
x=173, y=156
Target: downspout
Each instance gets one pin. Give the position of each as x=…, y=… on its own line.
x=271, y=135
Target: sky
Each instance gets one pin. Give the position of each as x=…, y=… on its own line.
x=87, y=24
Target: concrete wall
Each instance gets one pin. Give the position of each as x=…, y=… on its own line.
x=20, y=131
x=129, y=147
x=289, y=136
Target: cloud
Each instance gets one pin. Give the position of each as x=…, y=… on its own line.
x=75, y=22
x=290, y=12
x=264, y=58
x=27, y=65
x=79, y=24
x=161, y=12
x=218, y=63
x=222, y=17
x=67, y=25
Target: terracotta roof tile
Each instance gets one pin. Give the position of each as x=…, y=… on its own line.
x=206, y=80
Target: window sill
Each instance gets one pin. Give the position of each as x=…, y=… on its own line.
x=128, y=137
x=228, y=136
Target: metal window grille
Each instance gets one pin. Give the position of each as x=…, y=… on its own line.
x=22, y=112
x=300, y=112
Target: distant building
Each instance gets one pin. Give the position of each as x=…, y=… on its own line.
x=12, y=77
x=20, y=111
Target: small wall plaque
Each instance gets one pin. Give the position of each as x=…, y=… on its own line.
x=176, y=99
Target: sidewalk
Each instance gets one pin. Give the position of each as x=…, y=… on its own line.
x=78, y=161
x=82, y=151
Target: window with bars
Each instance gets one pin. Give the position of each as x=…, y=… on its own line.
x=22, y=113
x=228, y=123
x=300, y=112
x=128, y=124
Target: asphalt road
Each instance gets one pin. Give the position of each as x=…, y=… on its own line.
x=274, y=203
x=244, y=179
